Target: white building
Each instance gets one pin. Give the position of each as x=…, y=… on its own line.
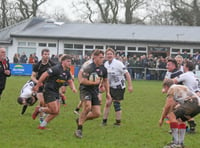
x=32, y=35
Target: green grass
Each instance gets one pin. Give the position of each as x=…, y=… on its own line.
x=141, y=112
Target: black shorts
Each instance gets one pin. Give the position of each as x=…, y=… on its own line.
x=117, y=94
x=65, y=84
x=50, y=97
x=89, y=95
x=187, y=110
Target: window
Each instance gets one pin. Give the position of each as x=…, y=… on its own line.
x=137, y=54
x=110, y=46
x=131, y=48
x=98, y=47
x=120, y=48
x=26, y=50
x=21, y=43
x=141, y=48
x=42, y=44
x=78, y=46
x=68, y=46
x=158, y=49
x=196, y=50
x=31, y=44
x=175, y=50
x=73, y=52
x=51, y=44
x=187, y=50
x=89, y=47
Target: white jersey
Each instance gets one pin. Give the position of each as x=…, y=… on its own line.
x=116, y=70
x=26, y=91
x=181, y=93
x=181, y=68
x=168, y=75
x=188, y=79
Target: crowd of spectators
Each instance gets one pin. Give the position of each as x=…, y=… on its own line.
x=17, y=58
x=139, y=67
x=153, y=68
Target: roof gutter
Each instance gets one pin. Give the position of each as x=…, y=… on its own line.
x=105, y=39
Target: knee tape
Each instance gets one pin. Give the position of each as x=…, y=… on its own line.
x=117, y=106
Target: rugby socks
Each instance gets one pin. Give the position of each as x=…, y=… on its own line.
x=182, y=130
x=41, y=119
x=174, y=129
x=43, y=124
x=40, y=109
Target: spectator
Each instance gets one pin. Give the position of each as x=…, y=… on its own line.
x=54, y=58
x=185, y=54
x=23, y=58
x=31, y=59
x=16, y=58
x=35, y=57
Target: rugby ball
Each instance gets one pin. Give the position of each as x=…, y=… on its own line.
x=93, y=76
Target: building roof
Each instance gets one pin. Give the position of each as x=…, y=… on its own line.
x=5, y=33
x=40, y=28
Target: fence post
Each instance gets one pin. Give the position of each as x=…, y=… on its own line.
x=145, y=73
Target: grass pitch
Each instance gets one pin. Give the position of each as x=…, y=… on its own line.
x=141, y=112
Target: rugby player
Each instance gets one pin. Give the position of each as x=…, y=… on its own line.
x=27, y=96
x=117, y=75
x=38, y=69
x=189, y=79
x=172, y=69
x=181, y=105
x=55, y=77
x=89, y=90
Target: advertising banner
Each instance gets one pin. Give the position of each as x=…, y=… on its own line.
x=21, y=69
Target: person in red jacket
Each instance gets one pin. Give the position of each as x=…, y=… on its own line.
x=4, y=69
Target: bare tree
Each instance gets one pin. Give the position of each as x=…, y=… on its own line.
x=4, y=12
x=130, y=7
x=29, y=9
x=185, y=12
x=108, y=10
x=15, y=11
x=159, y=13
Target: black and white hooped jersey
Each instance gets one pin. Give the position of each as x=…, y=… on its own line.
x=116, y=71
x=26, y=91
x=173, y=74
